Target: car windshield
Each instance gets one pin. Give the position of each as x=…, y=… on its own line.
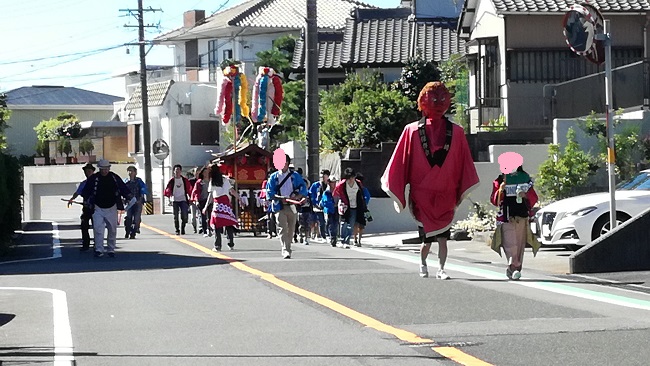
x=641, y=182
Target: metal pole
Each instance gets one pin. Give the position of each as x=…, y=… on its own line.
x=611, y=158
x=145, y=107
x=236, y=204
x=162, y=195
x=311, y=92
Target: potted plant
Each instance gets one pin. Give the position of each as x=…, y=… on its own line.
x=41, y=152
x=63, y=146
x=86, y=148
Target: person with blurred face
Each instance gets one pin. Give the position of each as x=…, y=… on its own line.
x=179, y=190
x=103, y=192
x=433, y=159
x=86, y=211
x=134, y=214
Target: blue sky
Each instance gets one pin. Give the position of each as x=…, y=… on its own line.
x=79, y=43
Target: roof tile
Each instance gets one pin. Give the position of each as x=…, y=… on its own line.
x=560, y=6
x=156, y=94
x=58, y=95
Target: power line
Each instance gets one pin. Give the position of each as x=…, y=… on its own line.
x=91, y=52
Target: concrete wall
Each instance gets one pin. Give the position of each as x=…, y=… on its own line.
x=44, y=187
x=625, y=248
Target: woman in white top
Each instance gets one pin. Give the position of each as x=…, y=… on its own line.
x=222, y=214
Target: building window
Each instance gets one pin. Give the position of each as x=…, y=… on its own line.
x=184, y=108
x=204, y=133
x=134, y=136
x=227, y=54
x=213, y=59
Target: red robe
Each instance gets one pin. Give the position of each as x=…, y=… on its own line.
x=433, y=192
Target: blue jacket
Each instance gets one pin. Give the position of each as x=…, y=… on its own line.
x=327, y=203
x=272, y=189
x=315, y=193
x=138, y=188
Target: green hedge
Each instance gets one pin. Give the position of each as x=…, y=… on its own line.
x=11, y=189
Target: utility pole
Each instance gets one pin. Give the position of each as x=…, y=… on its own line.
x=146, y=127
x=311, y=93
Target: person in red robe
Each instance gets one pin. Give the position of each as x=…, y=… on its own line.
x=432, y=170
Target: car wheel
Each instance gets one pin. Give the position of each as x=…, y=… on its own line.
x=602, y=227
x=572, y=247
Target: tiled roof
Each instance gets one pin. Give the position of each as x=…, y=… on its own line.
x=330, y=48
x=382, y=37
x=555, y=6
x=156, y=94
x=269, y=14
x=58, y=95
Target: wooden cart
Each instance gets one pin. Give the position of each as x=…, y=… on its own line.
x=247, y=166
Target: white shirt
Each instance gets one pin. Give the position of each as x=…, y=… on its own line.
x=221, y=191
x=287, y=187
x=179, y=190
x=352, y=193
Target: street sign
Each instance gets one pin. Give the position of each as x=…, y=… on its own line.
x=582, y=23
x=160, y=149
x=579, y=29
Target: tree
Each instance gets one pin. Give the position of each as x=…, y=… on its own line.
x=415, y=75
x=5, y=114
x=363, y=112
x=279, y=56
x=565, y=170
x=455, y=75
x=293, y=113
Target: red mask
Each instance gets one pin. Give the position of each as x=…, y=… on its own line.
x=434, y=100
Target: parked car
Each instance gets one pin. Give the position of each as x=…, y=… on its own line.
x=576, y=221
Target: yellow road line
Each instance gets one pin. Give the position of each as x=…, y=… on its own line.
x=451, y=353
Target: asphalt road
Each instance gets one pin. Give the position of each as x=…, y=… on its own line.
x=169, y=300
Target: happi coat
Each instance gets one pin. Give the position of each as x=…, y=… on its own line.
x=432, y=192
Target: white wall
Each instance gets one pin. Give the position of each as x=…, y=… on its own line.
x=48, y=184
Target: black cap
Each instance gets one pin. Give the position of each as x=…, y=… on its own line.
x=325, y=172
x=88, y=166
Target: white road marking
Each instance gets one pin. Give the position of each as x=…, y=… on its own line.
x=551, y=287
x=63, y=348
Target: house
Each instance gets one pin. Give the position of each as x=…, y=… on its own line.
x=518, y=57
x=241, y=31
x=384, y=40
x=33, y=104
x=181, y=114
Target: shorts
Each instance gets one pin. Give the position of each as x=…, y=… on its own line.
x=446, y=234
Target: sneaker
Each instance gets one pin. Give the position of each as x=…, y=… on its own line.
x=216, y=249
x=205, y=235
x=286, y=255
x=269, y=236
x=84, y=248
x=194, y=230
x=516, y=275
x=183, y=231
x=126, y=236
x=346, y=246
x=306, y=241
x=111, y=254
x=132, y=236
x=301, y=240
x=357, y=244
x=98, y=254
x=424, y=271
x=178, y=232
x=509, y=273
x=442, y=275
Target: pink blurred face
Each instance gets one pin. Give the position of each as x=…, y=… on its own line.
x=435, y=101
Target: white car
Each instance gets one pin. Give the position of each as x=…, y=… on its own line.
x=576, y=221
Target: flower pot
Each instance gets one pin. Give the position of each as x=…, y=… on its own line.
x=61, y=160
x=39, y=160
x=86, y=158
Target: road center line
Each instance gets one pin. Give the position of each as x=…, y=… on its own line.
x=551, y=287
x=404, y=335
x=63, y=348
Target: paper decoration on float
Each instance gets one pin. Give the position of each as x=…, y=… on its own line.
x=232, y=98
x=267, y=96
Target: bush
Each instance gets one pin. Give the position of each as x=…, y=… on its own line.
x=564, y=171
x=63, y=146
x=10, y=193
x=64, y=125
x=86, y=146
x=363, y=112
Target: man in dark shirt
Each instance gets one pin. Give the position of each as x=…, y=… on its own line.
x=104, y=191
